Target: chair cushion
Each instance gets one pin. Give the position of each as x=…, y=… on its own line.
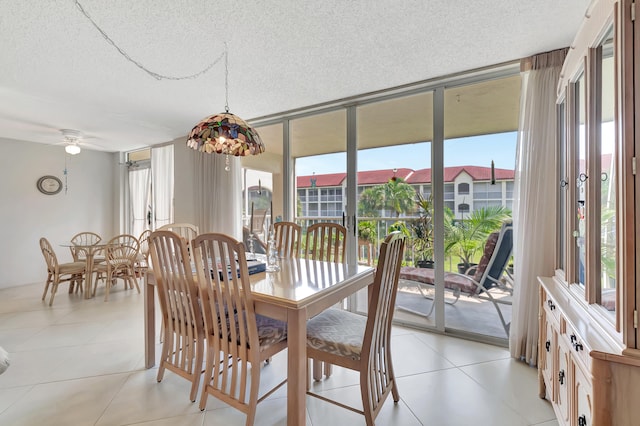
x=270, y=331
x=338, y=332
x=71, y=267
x=489, y=248
x=426, y=276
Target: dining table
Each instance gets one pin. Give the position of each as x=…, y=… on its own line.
x=90, y=251
x=301, y=289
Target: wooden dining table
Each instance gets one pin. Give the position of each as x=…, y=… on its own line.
x=300, y=290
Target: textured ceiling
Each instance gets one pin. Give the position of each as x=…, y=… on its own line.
x=57, y=71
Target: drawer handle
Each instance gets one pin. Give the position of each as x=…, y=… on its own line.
x=561, y=377
x=582, y=420
x=573, y=338
x=552, y=306
x=547, y=345
x=578, y=347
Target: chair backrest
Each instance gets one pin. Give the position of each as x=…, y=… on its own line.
x=495, y=257
x=144, y=243
x=380, y=315
x=178, y=293
x=287, y=236
x=187, y=231
x=225, y=292
x=123, y=247
x=86, y=238
x=326, y=242
x=83, y=239
x=49, y=255
x=257, y=221
x=258, y=245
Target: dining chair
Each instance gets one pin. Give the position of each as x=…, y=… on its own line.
x=71, y=272
x=187, y=231
x=84, y=239
x=183, y=328
x=363, y=343
x=326, y=241
x=120, y=259
x=142, y=260
x=237, y=339
x=287, y=236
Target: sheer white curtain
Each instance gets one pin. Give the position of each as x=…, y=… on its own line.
x=218, y=194
x=162, y=184
x=536, y=186
x=139, y=192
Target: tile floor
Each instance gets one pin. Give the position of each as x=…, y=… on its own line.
x=81, y=363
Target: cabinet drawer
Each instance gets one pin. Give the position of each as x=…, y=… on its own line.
x=583, y=399
x=579, y=348
x=551, y=307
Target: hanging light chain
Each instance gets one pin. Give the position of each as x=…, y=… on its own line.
x=226, y=78
x=153, y=74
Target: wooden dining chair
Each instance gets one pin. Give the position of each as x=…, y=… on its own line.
x=237, y=339
x=187, y=231
x=363, y=343
x=287, y=236
x=326, y=241
x=72, y=272
x=183, y=328
x=120, y=259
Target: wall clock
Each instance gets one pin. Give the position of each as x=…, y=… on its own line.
x=49, y=185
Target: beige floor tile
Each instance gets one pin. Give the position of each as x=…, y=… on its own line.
x=73, y=402
x=450, y=397
x=462, y=352
x=509, y=380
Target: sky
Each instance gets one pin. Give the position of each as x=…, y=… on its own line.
x=476, y=150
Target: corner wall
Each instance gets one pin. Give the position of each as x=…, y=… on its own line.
x=26, y=215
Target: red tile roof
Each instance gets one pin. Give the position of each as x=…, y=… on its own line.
x=377, y=177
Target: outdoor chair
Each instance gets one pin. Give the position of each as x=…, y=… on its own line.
x=363, y=343
x=483, y=281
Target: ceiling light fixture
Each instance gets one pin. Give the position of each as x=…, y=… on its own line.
x=72, y=149
x=72, y=139
x=225, y=133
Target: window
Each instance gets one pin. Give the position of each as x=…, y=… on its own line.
x=463, y=208
x=463, y=188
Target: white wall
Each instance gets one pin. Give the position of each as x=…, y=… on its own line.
x=90, y=204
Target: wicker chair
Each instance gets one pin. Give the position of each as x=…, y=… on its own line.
x=72, y=272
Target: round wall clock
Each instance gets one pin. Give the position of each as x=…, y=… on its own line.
x=49, y=185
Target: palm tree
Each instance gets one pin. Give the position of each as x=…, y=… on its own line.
x=464, y=237
x=395, y=195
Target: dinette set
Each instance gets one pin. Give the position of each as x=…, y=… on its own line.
x=201, y=278
x=121, y=257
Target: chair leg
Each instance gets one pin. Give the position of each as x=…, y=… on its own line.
x=198, y=369
x=317, y=370
x=46, y=286
x=328, y=369
x=54, y=289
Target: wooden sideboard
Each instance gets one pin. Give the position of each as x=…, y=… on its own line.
x=582, y=371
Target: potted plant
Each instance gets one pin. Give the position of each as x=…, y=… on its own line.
x=464, y=238
x=422, y=230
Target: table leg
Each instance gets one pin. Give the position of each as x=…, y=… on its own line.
x=297, y=367
x=149, y=323
x=88, y=280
